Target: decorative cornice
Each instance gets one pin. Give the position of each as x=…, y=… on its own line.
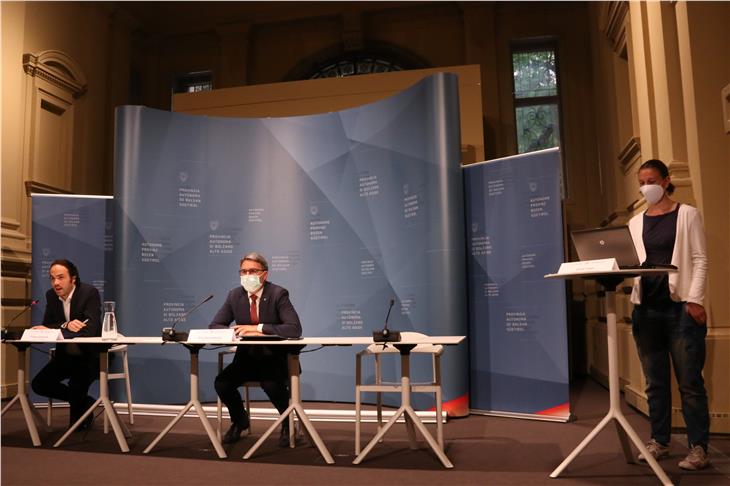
x=58, y=69
x=35, y=187
x=613, y=25
x=630, y=154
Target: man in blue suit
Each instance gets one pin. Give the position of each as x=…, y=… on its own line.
x=256, y=307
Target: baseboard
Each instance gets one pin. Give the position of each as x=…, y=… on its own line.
x=315, y=415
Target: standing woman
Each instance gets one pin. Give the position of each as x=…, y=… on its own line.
x=669, y=318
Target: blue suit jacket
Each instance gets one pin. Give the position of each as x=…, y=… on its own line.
x=276, y=312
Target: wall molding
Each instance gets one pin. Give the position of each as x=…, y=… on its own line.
x=630, y=154
x=35, y=187
x=613, y=25
x=58, y=69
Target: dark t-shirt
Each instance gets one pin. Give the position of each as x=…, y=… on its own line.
x=659, y=234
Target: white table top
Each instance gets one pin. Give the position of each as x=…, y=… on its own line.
x=324, y=341
x=633, y=272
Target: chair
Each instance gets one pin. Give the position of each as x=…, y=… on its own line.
x=124, y=374
x=379, y=386
x=246, y=398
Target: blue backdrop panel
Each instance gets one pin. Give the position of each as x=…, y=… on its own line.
x=77, y=228
x=351, y=208
x=517, y=331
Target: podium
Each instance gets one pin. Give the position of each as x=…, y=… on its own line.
x=610, y=280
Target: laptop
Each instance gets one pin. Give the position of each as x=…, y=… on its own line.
x=610, y=242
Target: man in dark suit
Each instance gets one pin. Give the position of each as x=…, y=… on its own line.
x=257, y=307
x=75, y=308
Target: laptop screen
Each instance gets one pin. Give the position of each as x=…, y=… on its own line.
x=610, y=242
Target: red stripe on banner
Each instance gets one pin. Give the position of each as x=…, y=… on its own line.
x=562, y=410
x=458, y=407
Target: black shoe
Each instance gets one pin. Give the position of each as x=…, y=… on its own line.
x=235, y=431
x=83, y=426
x=284, y=434
x=233, y=434
x=87, y=423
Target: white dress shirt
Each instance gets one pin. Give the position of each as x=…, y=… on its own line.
x=67, y=304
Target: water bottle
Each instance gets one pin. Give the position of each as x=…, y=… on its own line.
x=109, y=326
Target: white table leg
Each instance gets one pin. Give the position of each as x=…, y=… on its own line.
x=295, y=407
x=120, y=430
x=614, y=411
x=410, y=417
x=10, y=404
x=193, y=403
x=30, y=414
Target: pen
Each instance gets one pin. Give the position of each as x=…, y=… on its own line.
x=65, y=324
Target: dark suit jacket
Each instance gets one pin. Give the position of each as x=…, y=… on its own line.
x=85, y=304
x=276, y=311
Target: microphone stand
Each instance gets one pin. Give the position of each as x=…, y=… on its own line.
x=8, y=334
x=170, y=334
x=385, y=335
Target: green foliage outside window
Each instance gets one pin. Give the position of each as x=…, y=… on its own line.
x=534, y=74
x=535, y=78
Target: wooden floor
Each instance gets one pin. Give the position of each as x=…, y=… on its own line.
x=484, y=450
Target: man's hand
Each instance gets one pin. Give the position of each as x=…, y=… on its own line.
x=39, y=326
x=697, y=312
x=75, y=325
x=247, y=329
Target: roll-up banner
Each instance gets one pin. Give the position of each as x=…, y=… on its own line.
x=517, y=319
x=72, y=227
x=351, y=208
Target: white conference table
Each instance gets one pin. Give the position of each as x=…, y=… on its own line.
x=29, y=411
x=610, y=280
x=121, y=432
x=296, y=406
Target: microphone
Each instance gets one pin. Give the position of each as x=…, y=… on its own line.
x=385, y=335
x=11, y=334
x=169, y=333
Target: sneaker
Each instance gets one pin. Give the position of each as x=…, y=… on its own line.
x=696, y=459
x=656, y=449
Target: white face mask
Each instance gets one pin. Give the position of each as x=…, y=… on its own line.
x=653, y=193
x=250, y=282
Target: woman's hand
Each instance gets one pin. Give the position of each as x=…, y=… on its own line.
x=697, y=312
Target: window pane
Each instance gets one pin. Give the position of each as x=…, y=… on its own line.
x=534, y=74
x=193, y=82
x=537, y=127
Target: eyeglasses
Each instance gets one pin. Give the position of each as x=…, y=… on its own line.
x=251, y=271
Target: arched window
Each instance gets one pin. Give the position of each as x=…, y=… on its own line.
x=353, y=65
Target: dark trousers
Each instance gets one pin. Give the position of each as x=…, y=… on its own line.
x=659, y=335
x=81, y=371
x=270, y=371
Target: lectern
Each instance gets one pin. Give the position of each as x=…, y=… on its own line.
x=610, y=279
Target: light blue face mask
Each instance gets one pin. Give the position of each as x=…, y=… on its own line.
x=250, y=282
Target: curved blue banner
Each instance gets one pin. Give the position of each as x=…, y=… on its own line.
x=351, y=209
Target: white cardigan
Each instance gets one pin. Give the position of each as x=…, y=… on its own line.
x=689, y=256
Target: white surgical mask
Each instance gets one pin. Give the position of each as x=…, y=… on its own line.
x=250, y=282
x=653, y=193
